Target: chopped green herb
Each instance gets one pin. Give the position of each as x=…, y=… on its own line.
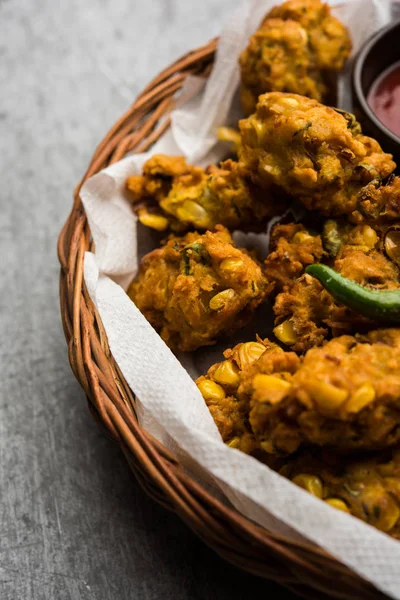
x=237, y=211
x=377, y=511
x=352, y=122
x=365, y=509
x=351, y=491
x=197, y=252
x=305, y=128
x=330, y=237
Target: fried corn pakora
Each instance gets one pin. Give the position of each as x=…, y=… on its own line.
x=257, y=377
x=367, y=253
x=197, y=287
x=305, y=313
x=344, y=395
x=367, y=488
x=220, y=388
x=187, y=197
x=299, y=48
x=311, y=152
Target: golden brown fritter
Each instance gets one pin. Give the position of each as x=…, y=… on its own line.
x=310, y=151
x=298, y=48
x=278, y=58
x=197, y=287
x=367, y=488
x=344, y=395
x=187, y=196
x=230, y=409
x=292, y=248
x=306, y=314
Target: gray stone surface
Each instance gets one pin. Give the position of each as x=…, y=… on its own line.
x=74, y=524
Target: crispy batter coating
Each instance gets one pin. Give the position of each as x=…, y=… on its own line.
x=310, y=151
x=367, y=488
x=297, y=48
x=378, y=203
x=187, y=196
x=344, y=395
x=292, y=248
x=197, y=287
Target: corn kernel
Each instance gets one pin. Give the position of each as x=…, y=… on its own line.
x=370, y=237
x=227, y=373
x=290, y=102
x=337, y=503
x=228, y=134
x=257, y=127
x=386, y=470
x=211, y=390
x=272, y=170
x=363, y=396
x=268, y=447
x=234, y=442
x=231, y=265
x=220, y=300
x=193, y=213
x=285, y=333
x=157, y=222
x=250, y=352
x=387, y=515
x=311, y=483
x=302, y=236
x=270, y=389
x=326, y=396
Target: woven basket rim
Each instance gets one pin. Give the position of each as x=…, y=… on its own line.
x=303, y=568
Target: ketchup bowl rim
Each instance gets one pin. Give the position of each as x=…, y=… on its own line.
x=359, y=63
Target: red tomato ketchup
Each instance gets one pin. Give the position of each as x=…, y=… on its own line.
x=384, y=98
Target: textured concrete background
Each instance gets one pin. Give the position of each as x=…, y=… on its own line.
x=74, y=524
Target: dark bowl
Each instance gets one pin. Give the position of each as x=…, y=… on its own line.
x=378, y=53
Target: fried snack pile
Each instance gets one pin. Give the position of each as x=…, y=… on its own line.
x=299, y=48
x=191, y=197
x=299, y=415
x=198, y=287
x=312, y=152
x=321, y=403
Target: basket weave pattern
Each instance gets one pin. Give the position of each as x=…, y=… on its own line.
x=306, y=570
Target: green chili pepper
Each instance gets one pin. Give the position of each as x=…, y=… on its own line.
x=378, y=305
x=197, y=252
x=302, y=129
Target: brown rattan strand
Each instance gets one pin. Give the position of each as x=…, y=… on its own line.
x=305, y=569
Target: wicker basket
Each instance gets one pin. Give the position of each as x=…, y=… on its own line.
x=306, y=570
